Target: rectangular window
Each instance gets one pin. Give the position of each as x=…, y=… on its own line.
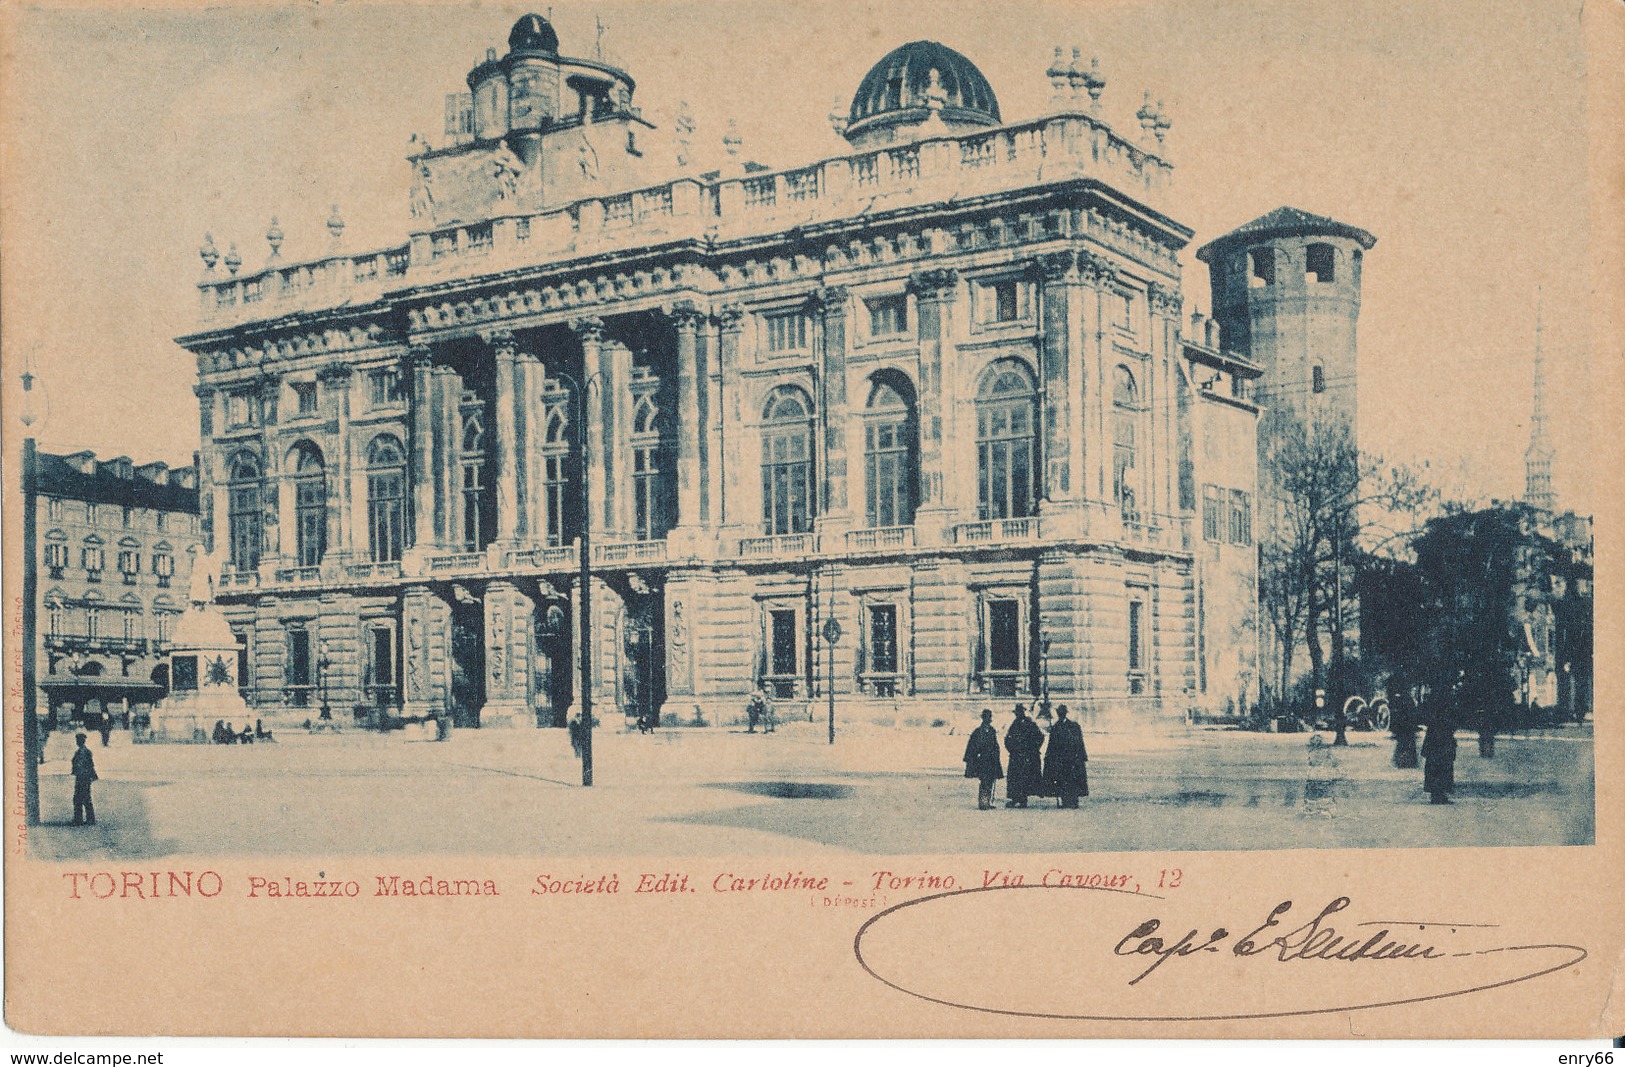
x=93, y=560
x=1004, y=636
x=1125, y=311
x=296, y=673
x=381, y=665
x=1006, y=300
x=161, y=625
x=1322, y=264
x=888, y=316
x=786, y=332
x=242, y=663
x=132, y=626
x=129, y=564
x=1213, y=518
x=56, y=559
x=883, y=639
x=160, y=520
x=1241, y=517
x=1317, y=378
x=783, y=636
x=385, y=387
x=92, y=515
x=241, y=407
x=127, y=516
x=1136, y=644
x=1263, y=261
x=305, y=397
x=53, y=509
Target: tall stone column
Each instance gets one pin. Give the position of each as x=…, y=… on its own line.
x=335, y=383
x=731, y=427
x=272, y=497
x=1060, y=489
x=205, y=473
x=506, y=438
x=934, y=290
x=529, y=427
x=687, y=318
x=833, y=517
x=448, y=389
x=600, y=417
x=420, y=361
x=1097, y=274
x=616, y=359
x=510, y=622
x=1166, y=306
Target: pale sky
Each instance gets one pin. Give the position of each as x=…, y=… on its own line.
x=1453, y=131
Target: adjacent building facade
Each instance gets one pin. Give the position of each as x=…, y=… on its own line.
x=938, y=389
x=112, y=554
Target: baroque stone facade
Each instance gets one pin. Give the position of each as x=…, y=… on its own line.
x=938, y=390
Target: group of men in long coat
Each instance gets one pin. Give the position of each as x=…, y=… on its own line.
x=1061, y=771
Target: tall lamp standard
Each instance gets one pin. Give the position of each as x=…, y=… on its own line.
x=1043, y=655
x=30, y=621
x=323, y=664
x=832, y=634
x=577, y=393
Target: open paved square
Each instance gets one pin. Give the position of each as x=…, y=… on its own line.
x=711, y=792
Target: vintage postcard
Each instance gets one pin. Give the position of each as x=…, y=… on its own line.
x=719, y=519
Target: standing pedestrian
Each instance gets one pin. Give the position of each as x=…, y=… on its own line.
x=1402, y=721
x=84, y=772
x=1023, y=741
x=1066, y=770
x=106, y=727
x=1439, y=755
x=982, y=760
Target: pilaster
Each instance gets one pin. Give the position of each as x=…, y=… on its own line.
x=1098, y=276
x=935, y=290
x=420, y=362
x=335, y=384
x=834, y=518
x=1057, y=280
x=600, y=419
x=686, y=318
x=505, y=442
x=731, y=427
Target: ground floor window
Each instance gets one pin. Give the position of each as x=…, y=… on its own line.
x=1002, y=665
x=782, y=653
x=882, y=673
x=381, y=691
x=296, y=671
x=1138, y=650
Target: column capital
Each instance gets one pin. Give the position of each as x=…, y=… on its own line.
x=1054, y=266
x=731, y=317
x=588, y=328
x=501, y=342
x=419, y=356
x=937, y=283
x=335, y=373
x=1095, y=270
x=686, y=316
x=1165, y=300
x=829, y=300
x=203, y=392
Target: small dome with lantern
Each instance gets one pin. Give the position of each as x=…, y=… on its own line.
x=913, y=83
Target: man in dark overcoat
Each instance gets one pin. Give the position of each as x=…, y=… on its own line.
x=1066, y=770
x=1439, y=755
x=982, y=760
x=84, y=772
x=1023, y=741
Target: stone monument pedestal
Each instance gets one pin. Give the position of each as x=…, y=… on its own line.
x=202, y=680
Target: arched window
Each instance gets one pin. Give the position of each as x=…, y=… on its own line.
x=650, y=487
x=787, y=505
x=476, y=525
x=890, y=443
x=556, y=472
x=56, y=616
x=244, y=515
x=386, y=499
x=309, y=503
x=1125, y=416
x=1004, y=444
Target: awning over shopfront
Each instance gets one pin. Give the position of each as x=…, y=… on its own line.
x=76, y=689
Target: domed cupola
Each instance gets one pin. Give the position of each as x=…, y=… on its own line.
x=911, y=84
x=532, y=33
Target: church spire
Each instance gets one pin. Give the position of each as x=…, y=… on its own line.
x=1537, y=461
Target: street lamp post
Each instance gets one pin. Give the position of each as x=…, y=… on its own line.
x=578, y=398
x=1043, y=654
x=832, y=634
x=322, y=665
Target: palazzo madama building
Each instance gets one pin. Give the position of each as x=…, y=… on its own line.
x=938, y=388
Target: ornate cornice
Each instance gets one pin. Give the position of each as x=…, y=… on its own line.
x=936, y=283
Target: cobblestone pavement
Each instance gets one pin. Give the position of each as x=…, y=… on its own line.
x=691, y=792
